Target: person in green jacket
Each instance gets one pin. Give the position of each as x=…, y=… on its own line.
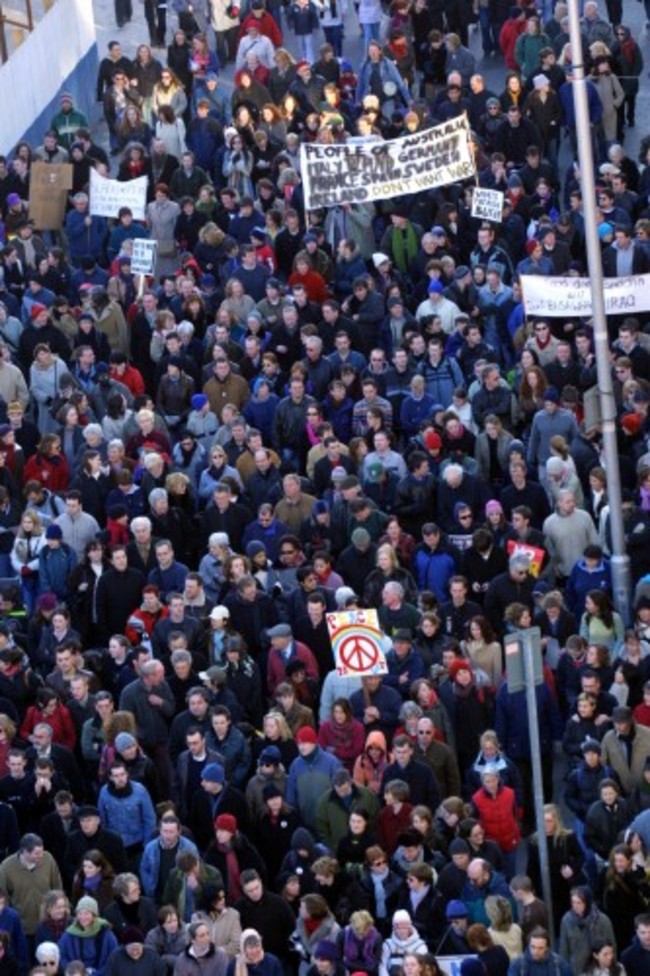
x=68, y=121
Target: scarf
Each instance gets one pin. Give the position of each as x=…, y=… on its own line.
x=362, y=949
x=644, y=495
x=404, y=245
x=380, y=893
x=234, y=886
x=92, y=884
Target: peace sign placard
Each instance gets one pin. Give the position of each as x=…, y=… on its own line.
x=357, y=643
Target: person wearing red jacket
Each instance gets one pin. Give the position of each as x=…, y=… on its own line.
x=48, y=466
x=122, y=371
x=513, y=27
x=312, y=281
x=283, y=650
x=264, y=22
x=496, y=810
x=52, y=712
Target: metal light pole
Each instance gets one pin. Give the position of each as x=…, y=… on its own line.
x=620, y=562
x=528, y=655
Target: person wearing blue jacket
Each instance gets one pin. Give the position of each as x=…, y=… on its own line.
x=378, y=70
x=126, y=229
x=303, y=17
x=592, y=572
x=88, y=939
x=169, y=839
x=416, y=407
x=11, y=924
x=56, y=561
x=511, y=725
x=86, y=233
x=349, y=266
x=310, y=774
x=404, y=662
x=125, y=807
x=539, y=959
x=433, y=563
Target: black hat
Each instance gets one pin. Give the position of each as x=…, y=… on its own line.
x=270, y=791
x=294, y=666
x=87, y=811
x=590, y=745
x=459, y=846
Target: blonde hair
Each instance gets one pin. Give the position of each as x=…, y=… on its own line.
x=285, y=731
x=554, y=810
x=36, y=521
x=7, y=726
x=498, y=910
x=387, y=549
x=361, y=922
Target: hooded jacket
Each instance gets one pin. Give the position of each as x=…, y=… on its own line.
x=309, y=777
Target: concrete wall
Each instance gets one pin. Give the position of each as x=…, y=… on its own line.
x=60, y=55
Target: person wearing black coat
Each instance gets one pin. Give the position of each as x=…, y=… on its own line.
x=268, y=914
x=232, y=520
x=205, y=808
x=251, y=611
x=623, y=241
x=357, y=561
x=274, y=829
x=228, y=844
x=428, y=915
x=118, y=594
x=89, y=836
x=9, y=833
x=362, y=893
x=128, y=910
x=606, y=819
x=482, y=562
x=563, y=851
x=423, y=785
x=515, y=586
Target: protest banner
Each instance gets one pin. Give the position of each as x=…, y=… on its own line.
x=107, y=196
x=357, y=643
x=361, y=172
x=49, y=184
x=143, y=258
x=487, y=204
x=533, y=554
x=560, y=297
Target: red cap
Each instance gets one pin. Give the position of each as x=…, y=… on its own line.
x=459, y=665
x=531, y=246
x=632, y=423
x=302, y=65
x=36, y=310
x=432, y=440
x=226, y=821
x=306, y=734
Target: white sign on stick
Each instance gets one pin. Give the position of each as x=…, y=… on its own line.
x=143, y=259
x=107, y=196
x=487, y=204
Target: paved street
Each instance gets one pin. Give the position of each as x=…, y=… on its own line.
x=493, y=69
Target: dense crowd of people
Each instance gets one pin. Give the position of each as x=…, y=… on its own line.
x=305, y=412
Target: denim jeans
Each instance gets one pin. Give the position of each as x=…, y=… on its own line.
x=334, y=36
x=370, y=33
x=306, y=42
